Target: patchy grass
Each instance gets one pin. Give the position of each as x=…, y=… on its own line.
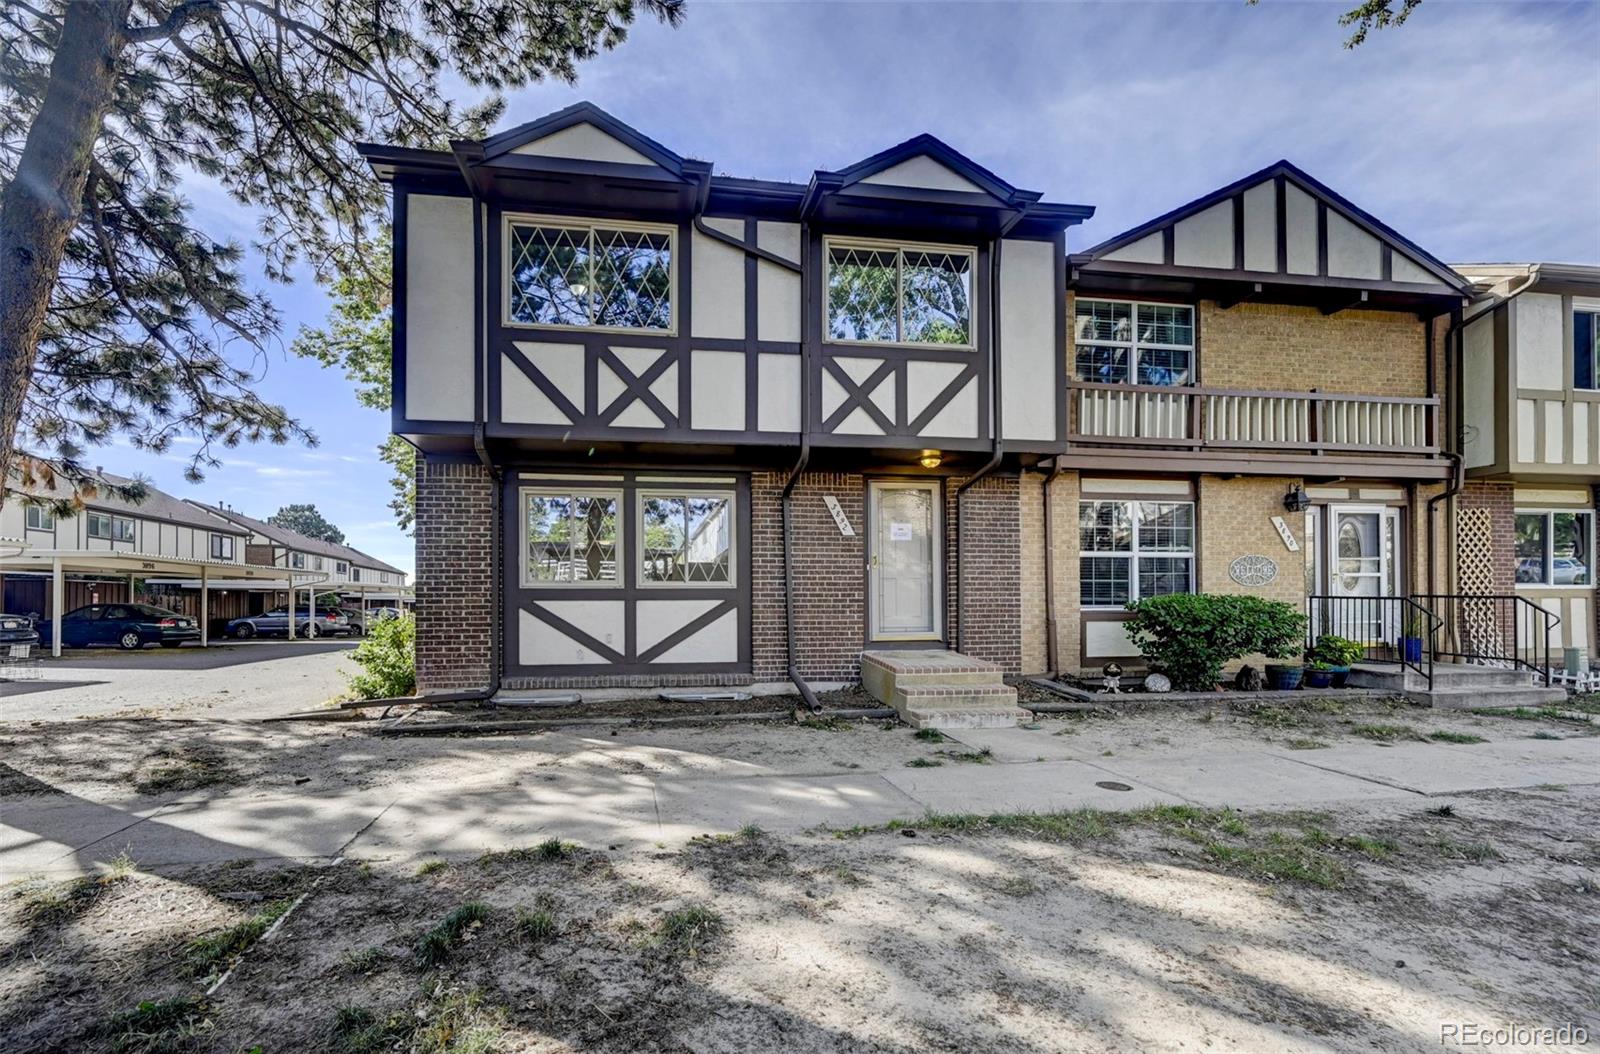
x=187, y=767
x=973, y=757
x=1385, y=733
x=448, y=1022
x=826, y=724
x=1376, y=848
x=47, y=903
x=1474, y=852
x=547, y=851
x=1018, y=886
x=688, y=931
x=1542, y=734
x=1445, y=735
x=211, y=955
x=435, y=946
x=1305, y=744
x=535, y=927
x=929, y=735
x=363, y=961
x=1288, y=860
x=158, y=1026
x=432, y=867
x=924, y=763
x=1075, y=826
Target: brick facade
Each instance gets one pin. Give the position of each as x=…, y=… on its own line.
x=455, y=576
x=1281, y=347
x=992, y=599
x=1234, y=519
x=1485, y=538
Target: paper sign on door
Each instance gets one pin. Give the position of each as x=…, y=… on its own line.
x=899, y=532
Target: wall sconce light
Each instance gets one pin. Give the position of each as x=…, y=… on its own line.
x=1296, y=500
x=930, y=459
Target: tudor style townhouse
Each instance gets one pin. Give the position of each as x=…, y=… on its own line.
x=332, y=566
x=684, y=428
x=1530, y=397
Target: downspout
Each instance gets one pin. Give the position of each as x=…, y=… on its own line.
x=1052, y=659
x=1455, y=336
x=999, y=445
x=496, y=638
x=793, y=667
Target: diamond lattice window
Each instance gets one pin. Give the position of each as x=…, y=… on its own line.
x=570, y=537
x=589, y=276
x=900, y=296
x=688, y=538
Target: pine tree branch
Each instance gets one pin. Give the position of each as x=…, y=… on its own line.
x=173, y=24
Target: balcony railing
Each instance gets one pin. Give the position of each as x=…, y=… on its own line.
x=1214, y=418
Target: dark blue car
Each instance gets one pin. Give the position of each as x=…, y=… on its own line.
x=128, y=626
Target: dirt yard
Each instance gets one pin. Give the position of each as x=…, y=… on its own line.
x=1163, y=928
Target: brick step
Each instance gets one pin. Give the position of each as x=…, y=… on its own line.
x=964, y=717
x=1494, y=698
x=1445, y=675
x=881, y=671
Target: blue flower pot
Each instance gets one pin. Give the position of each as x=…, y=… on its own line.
x=1411, y=649
x=1284, y=678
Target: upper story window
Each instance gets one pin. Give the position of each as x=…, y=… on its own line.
x=341, y=568
x=593, y=275
x=316, y=563
x=1125, y=342
x=355, y=574
x=112, y=528
x=40, y=518
x=297, y=561
x=570, y=536
x=688, y=537
x=900, y=294
x=221, y=547
x=1586, y=347
x=1554, y=548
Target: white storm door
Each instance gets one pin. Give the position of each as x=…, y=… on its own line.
x=902, y=580
x=1362, y=568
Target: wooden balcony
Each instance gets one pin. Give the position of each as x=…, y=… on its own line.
x=1213, y=419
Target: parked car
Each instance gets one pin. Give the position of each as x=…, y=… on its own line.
x=128, y=626
x=328, y=622
x=382, y=614
x=16, y=631
x=358, y=621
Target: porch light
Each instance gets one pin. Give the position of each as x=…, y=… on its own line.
x=930, y=459
x=1296, y=500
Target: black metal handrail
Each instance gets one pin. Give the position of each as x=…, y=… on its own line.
x=1394, y=629
x=1494, y=628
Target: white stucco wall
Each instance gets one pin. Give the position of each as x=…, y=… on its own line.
x=716, y=289
x=1541, y=355
x=438, y=308
x=1029, y=301
x=1478, y=392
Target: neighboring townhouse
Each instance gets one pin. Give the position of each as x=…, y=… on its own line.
x=1529, y=392
x=109, y=546
x=341, y=568
x=684, y=428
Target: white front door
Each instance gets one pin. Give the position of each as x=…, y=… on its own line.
x=903, y=560
x=1363, y=567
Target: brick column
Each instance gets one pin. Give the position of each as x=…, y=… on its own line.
x=992, y=600
x=455, y=576
x=1486, y=538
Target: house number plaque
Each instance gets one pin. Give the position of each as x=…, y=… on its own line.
x=1253, y=570
x=838, y=516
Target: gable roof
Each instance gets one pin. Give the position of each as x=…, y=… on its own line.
x=295, y=540
x=980, y=179
x=1342, y=237
x=641, y=147
x=157, y=505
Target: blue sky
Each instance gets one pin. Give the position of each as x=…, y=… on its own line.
x=1474, y=130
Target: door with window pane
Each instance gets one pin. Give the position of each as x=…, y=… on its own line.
x=1363, y=568
x=904, y=562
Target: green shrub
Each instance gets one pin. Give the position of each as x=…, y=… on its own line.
x=388, y=659
x=1191, y=636
x=1333, y=650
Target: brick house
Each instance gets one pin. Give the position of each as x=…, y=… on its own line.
x=679, y=428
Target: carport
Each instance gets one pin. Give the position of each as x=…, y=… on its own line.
x=58, y=563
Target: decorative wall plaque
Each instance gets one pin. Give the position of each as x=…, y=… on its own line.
x=838, y=516
x=1253, y=570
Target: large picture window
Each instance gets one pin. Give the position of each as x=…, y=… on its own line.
x=890, y=294
x=570, y=537
x=1554, y=548
x=1123, y=342
x=687, y=538
x=1130, y=550
x=560, y=273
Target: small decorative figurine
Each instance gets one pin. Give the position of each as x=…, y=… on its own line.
x=1113, y=678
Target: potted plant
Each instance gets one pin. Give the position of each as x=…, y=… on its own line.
x=1411, y=640
x=1318, y=674
x=1338, y=654
x=1284, y=676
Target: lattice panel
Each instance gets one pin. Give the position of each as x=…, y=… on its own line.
x=1479, y=629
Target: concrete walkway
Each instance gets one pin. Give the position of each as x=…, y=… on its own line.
x=507, y=806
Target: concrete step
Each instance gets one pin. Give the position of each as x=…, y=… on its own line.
x=882, y=670
x=1494, y=698
x=1445, y=675
x=941, y=689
